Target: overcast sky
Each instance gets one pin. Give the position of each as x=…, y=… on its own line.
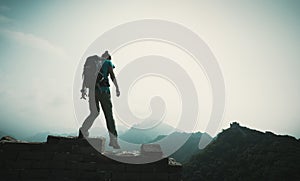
x=255, y=42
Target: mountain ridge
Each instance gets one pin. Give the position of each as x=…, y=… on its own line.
x=243, y=153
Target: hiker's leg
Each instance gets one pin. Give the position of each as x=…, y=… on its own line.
x=106, y=105
x=94, y=112
x=105, y=101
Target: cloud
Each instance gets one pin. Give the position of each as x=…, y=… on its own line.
x=4, y=8
x=34, y=42
x=4, y=19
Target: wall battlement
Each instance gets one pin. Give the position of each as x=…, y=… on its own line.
x=69, y=158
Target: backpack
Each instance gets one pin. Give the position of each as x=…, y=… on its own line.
x=91, y=71
x=101, y=81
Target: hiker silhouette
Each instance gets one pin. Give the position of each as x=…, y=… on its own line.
x=95, y=78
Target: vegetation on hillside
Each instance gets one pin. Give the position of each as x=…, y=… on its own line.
x=240, y=153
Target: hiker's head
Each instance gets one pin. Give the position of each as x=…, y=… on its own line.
x=106, y=55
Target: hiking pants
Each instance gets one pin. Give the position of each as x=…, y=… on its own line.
x=96, y=96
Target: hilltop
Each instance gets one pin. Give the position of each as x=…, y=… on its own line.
x=240, y=153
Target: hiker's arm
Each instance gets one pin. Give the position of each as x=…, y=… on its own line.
x=113, y=78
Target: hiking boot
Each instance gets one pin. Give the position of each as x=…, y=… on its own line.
x=82, y=134
x=113, y=142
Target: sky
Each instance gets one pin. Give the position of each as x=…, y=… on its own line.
x=255, y=42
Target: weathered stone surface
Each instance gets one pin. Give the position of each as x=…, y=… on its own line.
x=153, y=150
x=20, y=164
x=68, y=158
x=9, y=174
x=34, y=174
x=11, y=155
x=57, y=139
x=12, y=146
x=32, y=155
x=64, y=174
x=8, y=139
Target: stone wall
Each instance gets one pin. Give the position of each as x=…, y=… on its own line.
x=62, y=158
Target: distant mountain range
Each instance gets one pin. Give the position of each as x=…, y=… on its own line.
x=154, y=135
x=137, y=135
x=42, y=136
x=140, y=136
x=2, y=134
x=240, y=153
x=237, y=153
x=189, y=148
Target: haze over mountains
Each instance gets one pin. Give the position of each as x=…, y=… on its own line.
x=140, y=136
x=237, y=153
x=2, y=134
x=190, y=147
